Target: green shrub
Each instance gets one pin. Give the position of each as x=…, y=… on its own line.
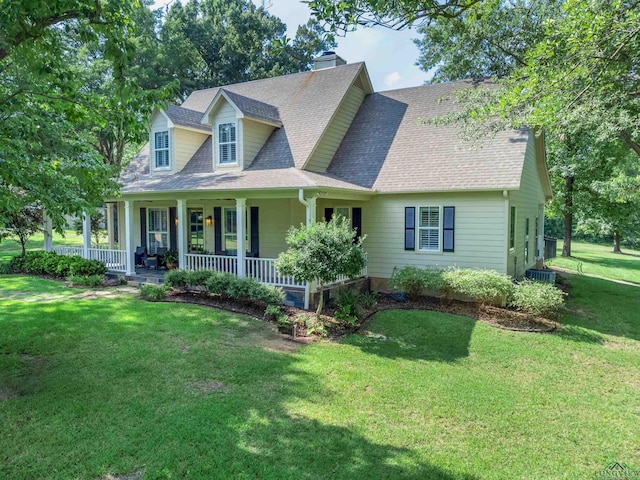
x=153, y=292
x=199, y=278
x=218, y=283
x=368, y=300
x=537, y=298
x=484, y=286
x=5, y=268
x=177, y=279
x=49, y=263
x=349, y=309
x=275, y=313
x=267, y=294
x=415, y=280
x=241, y=288
x=92, y=281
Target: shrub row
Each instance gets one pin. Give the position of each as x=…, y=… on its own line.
x=49, y=263
x=226, y=285
x=487, y=287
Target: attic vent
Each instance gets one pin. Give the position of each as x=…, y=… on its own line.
x=327, y=60
x=358, y=83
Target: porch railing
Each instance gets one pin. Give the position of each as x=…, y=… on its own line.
x=262, y=269
x=344, y=278
x=68, y=251
x=115, y=260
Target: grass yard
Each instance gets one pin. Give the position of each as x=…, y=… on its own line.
x=9, y=248
x=600, y=260
x=92, y=388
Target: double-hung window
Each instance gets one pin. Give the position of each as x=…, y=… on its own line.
x=230, y=231
x=227, y=143
x=161, y=149
x=429, y=229
x=158, y=231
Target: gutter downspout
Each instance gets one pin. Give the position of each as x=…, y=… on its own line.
x=505, y=195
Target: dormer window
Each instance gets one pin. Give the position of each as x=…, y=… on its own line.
x=227, y=143
x=161, y=149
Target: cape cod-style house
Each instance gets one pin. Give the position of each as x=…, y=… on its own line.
x=226, y=173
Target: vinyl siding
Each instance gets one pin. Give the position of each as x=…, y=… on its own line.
x=333, y=135
x=527, y=201
x=479, y=232
x=186, y=143
x=255, y=134
x=226, y=114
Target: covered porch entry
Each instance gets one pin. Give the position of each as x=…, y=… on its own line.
x=240, y=233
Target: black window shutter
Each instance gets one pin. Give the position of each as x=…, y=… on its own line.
x=356, y=221
x=328, y=213
x=448, y=227
x=409, y=228
x=217, y=230
x=173, y=231
x=255, y=233
x=143, y=227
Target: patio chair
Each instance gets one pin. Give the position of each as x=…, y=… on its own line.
x=140, y=256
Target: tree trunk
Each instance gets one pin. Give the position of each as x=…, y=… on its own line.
x=24, y=250
x=568, y=215
x=320, y=301
x=616, y=242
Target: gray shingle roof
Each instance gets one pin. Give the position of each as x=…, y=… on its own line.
x=254, y=108
x=186, y=118
x=388, y=149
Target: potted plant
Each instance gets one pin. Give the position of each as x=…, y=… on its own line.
x=171, y=259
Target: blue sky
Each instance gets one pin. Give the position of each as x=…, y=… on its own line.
x=390, y=56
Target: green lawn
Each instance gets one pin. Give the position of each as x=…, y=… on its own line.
x=90, y=388
x=9, y=248
x=600, y=260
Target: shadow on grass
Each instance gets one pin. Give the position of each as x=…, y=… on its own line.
x=419, y=335
x=113, y=392
x=599, y=306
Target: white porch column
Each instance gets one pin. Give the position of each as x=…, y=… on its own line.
x=311, y=211
x=110, y=229
x=86, y=233
x=241, y=219
x=181, y=231
x=128, y=237
x=48, y=233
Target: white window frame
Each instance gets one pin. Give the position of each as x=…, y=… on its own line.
x=419, y=228
x=220, y=143
x=155, y=232
x=224, y=229
x=166, y=149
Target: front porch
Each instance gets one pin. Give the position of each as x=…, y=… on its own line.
x=205, y=234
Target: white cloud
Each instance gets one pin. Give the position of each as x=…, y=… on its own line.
x=392, y=78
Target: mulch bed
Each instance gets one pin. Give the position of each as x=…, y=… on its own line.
x=496, y=317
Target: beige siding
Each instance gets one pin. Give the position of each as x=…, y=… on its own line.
x=333, y=135
x=527, y=201
x=479, y=232
x=159, y=123
x=186, y=143
x=255, y=134
x=226, y=114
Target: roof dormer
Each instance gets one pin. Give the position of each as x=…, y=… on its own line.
x=175, y=135
x=240, y=126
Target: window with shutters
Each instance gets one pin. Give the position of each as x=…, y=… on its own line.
x=161, y=150
x=344, y=213
x=227, y=143
x=230, y=231
x=429, y=229
x=158, y=229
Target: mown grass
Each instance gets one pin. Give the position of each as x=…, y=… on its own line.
x=600, y=260
x=96, y=387
x=9, y=248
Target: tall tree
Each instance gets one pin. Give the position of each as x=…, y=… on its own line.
x=45, y=158
x=214, y=42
